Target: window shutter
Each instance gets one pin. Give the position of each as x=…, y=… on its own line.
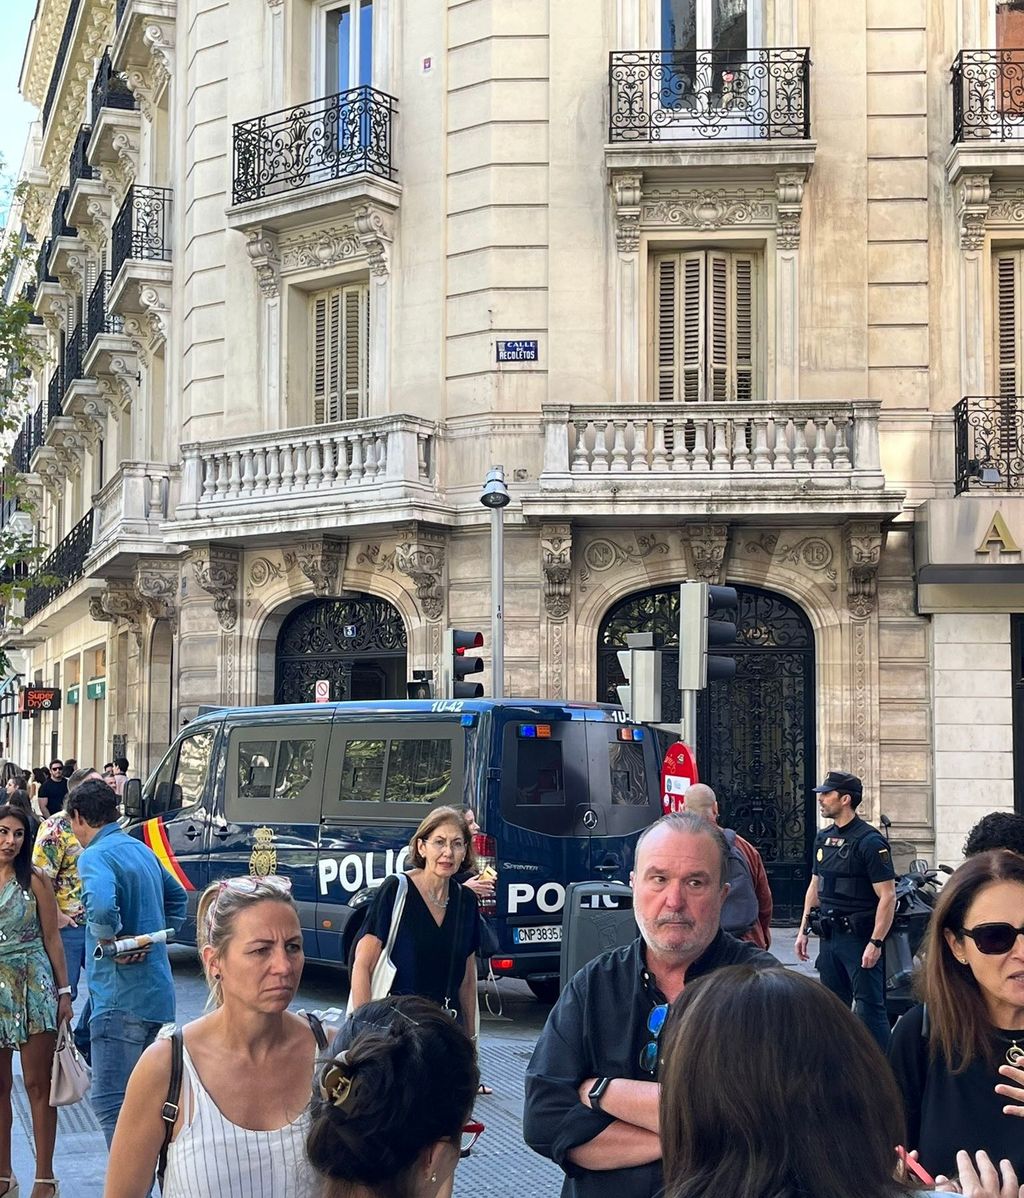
x=744, y=326
x=691, y=327
x=340, y=332
x=1008, y=322
x=356, y=333
x=719, y=339
x=665, y=299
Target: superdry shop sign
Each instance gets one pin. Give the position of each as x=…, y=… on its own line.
x=38, y=698
x=517, y=351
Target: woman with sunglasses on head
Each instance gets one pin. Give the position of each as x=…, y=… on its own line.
x=959, y=1057
x=391, y=1103
x=434, y=952
x=242, y=1104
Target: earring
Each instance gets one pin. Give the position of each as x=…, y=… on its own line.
x=433, y=1178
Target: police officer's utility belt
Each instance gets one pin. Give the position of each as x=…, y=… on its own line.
x=857, y=923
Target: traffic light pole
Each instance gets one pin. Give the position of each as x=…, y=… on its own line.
x=497, y=602
x=688, y=719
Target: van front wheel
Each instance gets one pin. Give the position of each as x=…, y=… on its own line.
x=545, y=989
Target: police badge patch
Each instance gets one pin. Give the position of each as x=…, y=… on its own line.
x=263, y=858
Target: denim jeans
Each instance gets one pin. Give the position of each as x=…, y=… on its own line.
x=840, y=970
x=118, y=1040
x=73, y=940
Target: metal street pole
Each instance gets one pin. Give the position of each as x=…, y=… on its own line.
x=688, y=713
x=498, y=602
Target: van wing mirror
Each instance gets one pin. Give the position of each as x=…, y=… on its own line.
x=132, y=798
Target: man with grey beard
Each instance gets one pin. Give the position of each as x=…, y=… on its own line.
x=592, y=1083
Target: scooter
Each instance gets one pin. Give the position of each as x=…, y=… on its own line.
x=916, y=892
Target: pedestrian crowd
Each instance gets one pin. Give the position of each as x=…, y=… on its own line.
x=686, y=1063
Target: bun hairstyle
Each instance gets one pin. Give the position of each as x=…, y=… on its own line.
x=217, y=911
x=400, y=1076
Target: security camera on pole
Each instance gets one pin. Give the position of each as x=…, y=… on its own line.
x=698, y=633
x=496, y=497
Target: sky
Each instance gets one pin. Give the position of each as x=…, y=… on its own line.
x=15, y=115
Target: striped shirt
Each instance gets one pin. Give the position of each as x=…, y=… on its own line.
x=211, y=1157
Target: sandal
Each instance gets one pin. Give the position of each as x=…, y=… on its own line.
x=12, y=1187
x=481, y=1089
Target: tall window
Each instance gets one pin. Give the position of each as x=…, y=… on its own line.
x=348, y=59
x=1008, y=287
x=706, y=318
x=705, y=45
x=340, y=353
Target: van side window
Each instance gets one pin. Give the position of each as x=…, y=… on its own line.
x=271, y=769
x=539, y=777
x=419, y=771
x=276, y=772
x=181, y=779
x=362, y=772
x=628, y=774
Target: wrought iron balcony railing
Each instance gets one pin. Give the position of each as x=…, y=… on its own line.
x=59, y=226
x=703, y=95
x=74, y=347
x=28, y=296
x=58, y=62
x=141, y=229
x=54, y=396
x=65, y=565
x=109, y=89
x=36, y=429
x=21, y=451
x=328, y=139
x=989, y=442
x=97, y=319
x=43, y=264
x=988, y=95
x=78, y=164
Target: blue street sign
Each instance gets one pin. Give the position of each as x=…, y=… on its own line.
x=517, y=351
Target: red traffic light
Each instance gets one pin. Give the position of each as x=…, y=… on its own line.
x=461, y=641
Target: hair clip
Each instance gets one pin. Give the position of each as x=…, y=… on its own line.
x=335, y=1085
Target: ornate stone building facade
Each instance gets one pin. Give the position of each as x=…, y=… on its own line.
x=283, y=242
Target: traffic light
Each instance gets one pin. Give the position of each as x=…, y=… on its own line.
x=641, y=666
x=699, y=634
x=456, y=642
x=420, y=685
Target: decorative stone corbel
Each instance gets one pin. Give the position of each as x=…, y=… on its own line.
x=116, y=178
x=147, y=82
x=322, y=561
x=375, y=234
x=627, y=192
x=157, y=582
x=120, y=601
x=556, y=562
x=261, y=246
x=216, y=570
x=420, y=556
x=147, y=330
x=863, y=547
x=706, y=546
x=789, y=192
x=973, y=192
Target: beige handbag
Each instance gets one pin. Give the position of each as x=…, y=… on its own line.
x=70, y=1077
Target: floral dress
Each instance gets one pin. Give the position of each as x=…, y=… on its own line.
x=28, y=994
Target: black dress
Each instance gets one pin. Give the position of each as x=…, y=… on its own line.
x=429, y=959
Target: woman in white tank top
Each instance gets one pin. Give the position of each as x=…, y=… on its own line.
x=246, y=1067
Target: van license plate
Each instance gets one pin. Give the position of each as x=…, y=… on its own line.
x=550, y=934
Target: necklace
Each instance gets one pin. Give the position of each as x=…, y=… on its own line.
x=441, y=904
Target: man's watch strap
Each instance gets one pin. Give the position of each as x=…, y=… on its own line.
x=597, y=1091
x=876, y=942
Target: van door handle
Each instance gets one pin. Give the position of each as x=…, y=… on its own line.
x=608, y=867
x=222, y=833
x=192, y=832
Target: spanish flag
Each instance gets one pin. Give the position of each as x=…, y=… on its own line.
x=155, y=835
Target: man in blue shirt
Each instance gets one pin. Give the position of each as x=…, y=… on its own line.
x=127, y=892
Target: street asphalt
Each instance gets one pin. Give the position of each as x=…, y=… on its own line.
x=501, y=1166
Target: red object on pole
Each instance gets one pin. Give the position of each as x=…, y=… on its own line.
x=678, y=774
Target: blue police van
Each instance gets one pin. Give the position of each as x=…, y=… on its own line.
x=329, y=794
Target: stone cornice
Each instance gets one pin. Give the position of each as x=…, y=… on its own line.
x=42, y=49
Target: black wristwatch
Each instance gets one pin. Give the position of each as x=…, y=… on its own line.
x=597, y=1091
x=876, y=942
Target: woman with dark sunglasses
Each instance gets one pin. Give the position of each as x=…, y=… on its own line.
x=959, y=1057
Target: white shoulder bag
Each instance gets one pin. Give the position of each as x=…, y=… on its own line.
x=384, y=971
x=70, y=1076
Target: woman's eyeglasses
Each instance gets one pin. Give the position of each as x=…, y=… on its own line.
x=993, y=938
x=655, y=1023
x=440, y=844
x=470, y=1134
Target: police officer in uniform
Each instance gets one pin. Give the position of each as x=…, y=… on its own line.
x=853, y=883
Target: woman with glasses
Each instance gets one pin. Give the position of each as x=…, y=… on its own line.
x=239, y=1111
x=391, y=1103
x=439, y=927
x=959, y=1057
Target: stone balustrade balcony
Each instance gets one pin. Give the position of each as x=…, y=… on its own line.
x=128, y=512
x=759, y=458
x=349, y=473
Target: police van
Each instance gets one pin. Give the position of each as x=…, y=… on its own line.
x=329, y=795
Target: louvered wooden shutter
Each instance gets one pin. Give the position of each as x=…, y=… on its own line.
x=665, y=337
x=340, y=353
x=1008, y=322
x=719, y=340
x=744, y=325
x=679, y=327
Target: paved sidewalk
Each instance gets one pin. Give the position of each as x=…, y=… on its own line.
x=500, y=1167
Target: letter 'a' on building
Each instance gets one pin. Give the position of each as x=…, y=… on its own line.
x=457, y=642
x=698, y=634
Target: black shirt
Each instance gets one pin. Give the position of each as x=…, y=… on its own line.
x=851, y=858
x=598, y=1028
x=428, y=959
x=946, y=1112
x=54, y=791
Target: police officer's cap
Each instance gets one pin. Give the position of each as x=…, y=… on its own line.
x=846, y=784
